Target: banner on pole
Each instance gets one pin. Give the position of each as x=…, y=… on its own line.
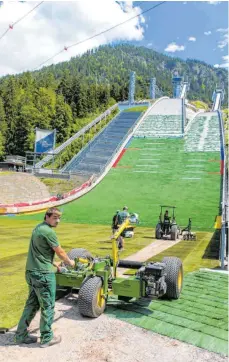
x=45, y=140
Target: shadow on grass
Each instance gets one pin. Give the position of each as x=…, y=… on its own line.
x=105, y=242
x=212, y=250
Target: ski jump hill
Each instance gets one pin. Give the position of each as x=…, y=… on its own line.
x=168, y=155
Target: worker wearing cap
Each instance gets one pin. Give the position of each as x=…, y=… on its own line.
x=122, y=216
x=40, y=277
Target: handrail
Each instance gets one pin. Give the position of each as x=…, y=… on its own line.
x=224, y=197
x=217, y=101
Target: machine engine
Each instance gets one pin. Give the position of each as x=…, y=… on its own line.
x=152, y=280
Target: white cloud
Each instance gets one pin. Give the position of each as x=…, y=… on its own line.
x=54, y=25
x=226, y=58
x=222, y=30
x=173, y=47
x=149, y=44
x=214, y=2
x=223, y=37
x=192, y=38
x=223, y=65
x=223, y=42
x=207, y=32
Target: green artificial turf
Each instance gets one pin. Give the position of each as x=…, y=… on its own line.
x=199, y=317
x=165, y=165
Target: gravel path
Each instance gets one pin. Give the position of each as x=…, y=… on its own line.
x=102, y=339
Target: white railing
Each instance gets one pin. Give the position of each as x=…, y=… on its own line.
x=224, y=201
x=217, y=102
x=183, y=91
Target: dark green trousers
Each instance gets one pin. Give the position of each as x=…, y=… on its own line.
x=42, y=292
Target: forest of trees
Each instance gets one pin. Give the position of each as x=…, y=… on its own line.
x=66, y=95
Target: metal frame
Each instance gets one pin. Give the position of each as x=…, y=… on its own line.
x=132, y=87
x=152, y=90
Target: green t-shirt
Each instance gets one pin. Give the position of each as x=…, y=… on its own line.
x=40, y=255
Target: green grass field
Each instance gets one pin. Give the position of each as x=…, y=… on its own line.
x=15, y=237
x=151, y=173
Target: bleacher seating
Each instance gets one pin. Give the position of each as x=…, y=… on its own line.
x=204, y=134
x=94, y=157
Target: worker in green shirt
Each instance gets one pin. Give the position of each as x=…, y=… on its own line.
x=40, y=277
x=122, y=216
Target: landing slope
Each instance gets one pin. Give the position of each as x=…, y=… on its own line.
x=153, y=172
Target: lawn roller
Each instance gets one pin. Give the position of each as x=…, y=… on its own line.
x=96, y=278
x=186, y=233
x=167, y=228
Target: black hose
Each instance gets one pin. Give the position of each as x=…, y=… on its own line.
x=130, y=264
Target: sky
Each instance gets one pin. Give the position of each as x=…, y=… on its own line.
x=184, y=29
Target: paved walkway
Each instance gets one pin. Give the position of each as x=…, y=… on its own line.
x=148, y=252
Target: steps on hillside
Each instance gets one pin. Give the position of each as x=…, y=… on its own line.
x=98, y=152
x=21, y=187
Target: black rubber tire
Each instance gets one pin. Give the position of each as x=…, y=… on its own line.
x=79, y=253
x=173, y=235
x=158, y=232
x=87, y=299
x=173, y=267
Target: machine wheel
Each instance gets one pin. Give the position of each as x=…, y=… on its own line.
x=158, y=231
x=79, y=253
x=174, y=277
x=174, y=232
x=91, y=301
